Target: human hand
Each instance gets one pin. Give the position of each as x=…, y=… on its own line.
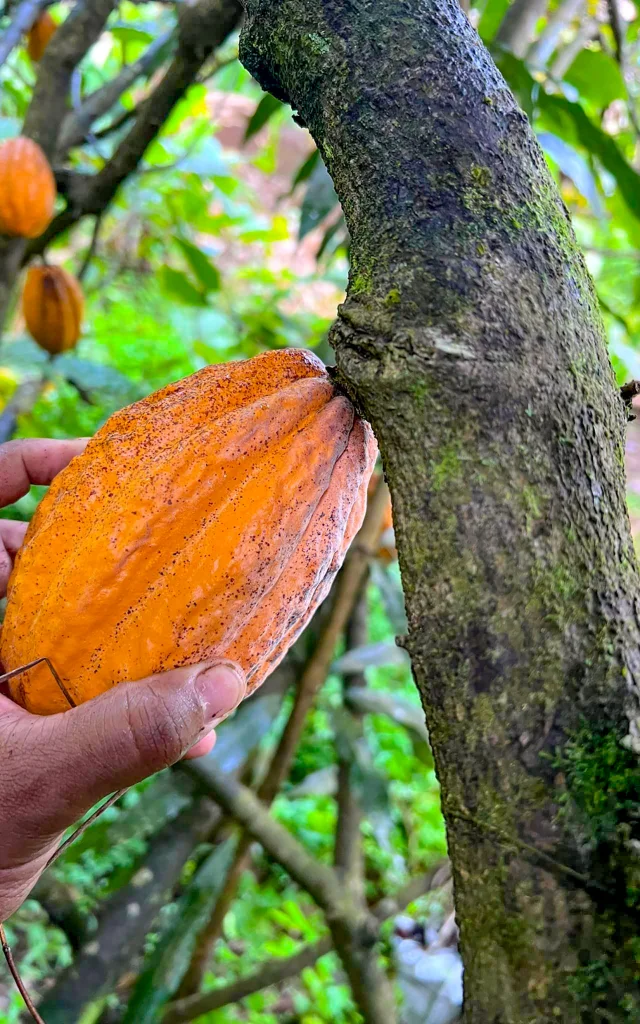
x=53, y=769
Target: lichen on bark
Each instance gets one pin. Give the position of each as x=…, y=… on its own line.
x=471, y=338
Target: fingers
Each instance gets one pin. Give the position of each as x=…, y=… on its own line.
x=118, y=739
x=202, y=747
x=27, y=462
x=11, y=536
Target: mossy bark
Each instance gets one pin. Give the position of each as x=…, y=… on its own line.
x=471, y=338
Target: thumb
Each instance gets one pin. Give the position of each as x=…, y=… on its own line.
x=127, y=734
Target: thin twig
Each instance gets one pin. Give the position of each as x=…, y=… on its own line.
x=91, y=251
x=81, y=829
x=119, y=122
x=78, y=122
x=348, y=859
x=15, y=974
x=618, y=28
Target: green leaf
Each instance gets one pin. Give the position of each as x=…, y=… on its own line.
x=90, y=376
x=320, y=199
x=126, y=33
x=305, y=169
x=168, y=964
x=178, y=286
x=574, y=165
x=370, y=656
x=597, y=77
x=23, y=354
x=494, y=12
x=399, y=710
x=265, y=110
x=334, y=237
x=207, y=274
x=569, y=121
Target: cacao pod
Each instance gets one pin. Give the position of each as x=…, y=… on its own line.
x=53, y=306
x=207, y=520
x=386, y=550
x=39, y=36
x=27, y=188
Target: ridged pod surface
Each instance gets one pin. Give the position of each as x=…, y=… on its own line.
x=27, y=188
x=53, y=307
x=39, y=36
x=207, y=520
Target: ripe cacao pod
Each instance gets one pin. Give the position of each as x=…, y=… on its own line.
x=206, y=521
x=39, y=36
x=53, y=307
x=27, y=188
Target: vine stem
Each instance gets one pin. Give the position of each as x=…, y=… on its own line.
x=84, y=826
x=15, y=974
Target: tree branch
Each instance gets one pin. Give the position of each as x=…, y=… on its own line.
x=91, y=251
x=345, y=593
x=544, y=49
x=518, y=26
x=272, y=973
x=239, y=803
x=72, y=40
x=352, y=929
x=617, y=27
x=24, y=17
x=348, y=859
x=203, y=28
x=78, y=122
x=126, y=917
x=277, y=971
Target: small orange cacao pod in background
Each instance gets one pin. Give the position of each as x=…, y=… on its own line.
x=53, y=307
x=206, y=521
x=386, y=544
x=39, y=36
x=27, y=188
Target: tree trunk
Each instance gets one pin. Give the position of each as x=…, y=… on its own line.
x=472, y=340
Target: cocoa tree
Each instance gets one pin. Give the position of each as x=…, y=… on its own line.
x=472, y=340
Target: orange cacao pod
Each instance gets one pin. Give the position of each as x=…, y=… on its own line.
x=386, y=545
x=27, y=188
x=39, y=35
x=206, y=521
x=53, y=306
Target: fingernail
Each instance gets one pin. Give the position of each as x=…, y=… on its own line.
x=220, y=688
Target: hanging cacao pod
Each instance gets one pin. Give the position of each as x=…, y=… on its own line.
x=53, y=306
x=39, y=36
x=386, y=550
x=206, y=521
x=27, y=188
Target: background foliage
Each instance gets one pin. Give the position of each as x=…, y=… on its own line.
x=226, y=241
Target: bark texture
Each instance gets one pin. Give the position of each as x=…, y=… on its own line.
x=472, y=341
